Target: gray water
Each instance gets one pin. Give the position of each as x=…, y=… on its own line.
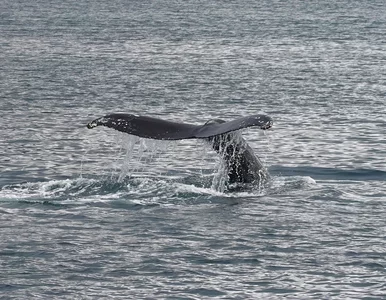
x=96, y=214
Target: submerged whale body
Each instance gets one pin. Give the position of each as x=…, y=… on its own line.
x=243, y=166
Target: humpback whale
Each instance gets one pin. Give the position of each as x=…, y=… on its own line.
x=243, y=166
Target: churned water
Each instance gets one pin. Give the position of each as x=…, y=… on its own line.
x=96, y=214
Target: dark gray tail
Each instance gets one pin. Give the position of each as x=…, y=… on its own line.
x=243, y=165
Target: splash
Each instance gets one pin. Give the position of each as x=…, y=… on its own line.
x=139, y=153
x=239, y=164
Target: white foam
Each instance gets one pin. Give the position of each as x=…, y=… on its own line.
x=46, y=189
x=190, y=188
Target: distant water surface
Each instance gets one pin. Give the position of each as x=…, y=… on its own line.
x=96, y=214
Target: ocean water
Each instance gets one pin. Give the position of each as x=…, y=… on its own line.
x=97, y=214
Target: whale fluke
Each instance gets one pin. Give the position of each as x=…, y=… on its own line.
x=242, y=164
x=153, y=128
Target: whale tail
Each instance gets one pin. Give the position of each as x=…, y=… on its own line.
x=153, y=128
x=242, y=164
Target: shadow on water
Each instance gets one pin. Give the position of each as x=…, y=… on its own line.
x=319, y=173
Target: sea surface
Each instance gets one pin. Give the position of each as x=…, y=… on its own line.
x=98, y=214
